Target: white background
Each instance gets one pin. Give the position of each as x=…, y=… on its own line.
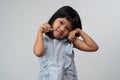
x=20, y=20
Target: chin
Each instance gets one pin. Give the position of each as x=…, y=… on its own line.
x=58, y=37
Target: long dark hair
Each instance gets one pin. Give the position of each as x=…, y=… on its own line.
x=70, y=14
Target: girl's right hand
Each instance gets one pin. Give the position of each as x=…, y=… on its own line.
x=46, y=28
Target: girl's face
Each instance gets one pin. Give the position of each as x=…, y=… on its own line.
x=61, y=28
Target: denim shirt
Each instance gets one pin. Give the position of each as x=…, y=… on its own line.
x=57, y=63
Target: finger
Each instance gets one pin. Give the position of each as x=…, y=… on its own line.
x=48, y=27
x=70, y=38
x=44, y=28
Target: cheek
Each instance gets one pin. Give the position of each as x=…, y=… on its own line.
x=66, y=33
x=54, y=27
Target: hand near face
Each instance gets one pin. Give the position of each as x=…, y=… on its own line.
x=46, y=28
x=72, y=35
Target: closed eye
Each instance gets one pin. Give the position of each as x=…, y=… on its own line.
x=61, y=22
x=68, y=28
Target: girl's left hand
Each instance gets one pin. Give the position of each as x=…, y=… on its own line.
x=71, y=36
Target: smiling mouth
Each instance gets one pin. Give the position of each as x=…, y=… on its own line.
x=59, y=32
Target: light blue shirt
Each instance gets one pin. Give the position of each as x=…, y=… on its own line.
x=57, y=63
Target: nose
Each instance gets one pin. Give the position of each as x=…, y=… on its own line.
x=62, y=28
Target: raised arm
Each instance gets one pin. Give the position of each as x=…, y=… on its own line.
x=85, y=44
x=39, y=43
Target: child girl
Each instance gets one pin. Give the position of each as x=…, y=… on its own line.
x=55, y=42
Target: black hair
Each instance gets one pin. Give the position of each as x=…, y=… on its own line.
x=70, y=14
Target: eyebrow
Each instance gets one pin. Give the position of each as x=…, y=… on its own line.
x=63, y=20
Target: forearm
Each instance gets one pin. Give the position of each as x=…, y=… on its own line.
x=86, y=43
x=39, y=44
x=87, y=39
